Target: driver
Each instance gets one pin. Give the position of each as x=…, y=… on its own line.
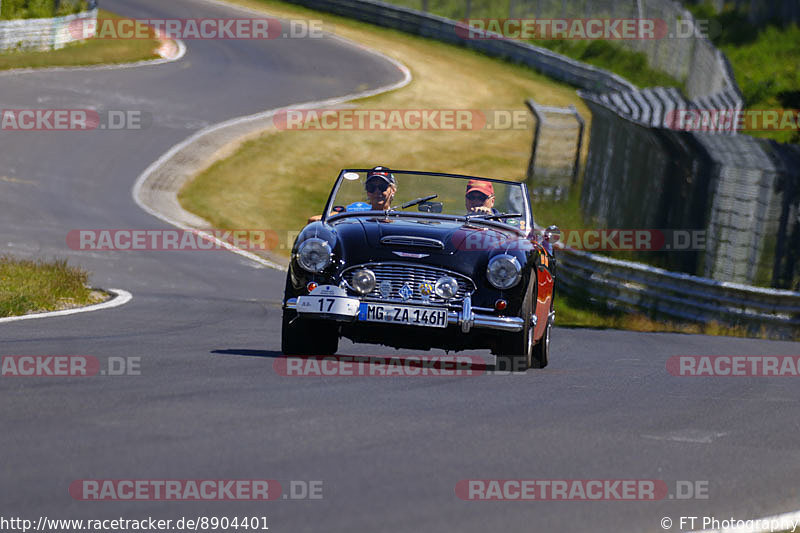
x=381, y=188
x=479, y=198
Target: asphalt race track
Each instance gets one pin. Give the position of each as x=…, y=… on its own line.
x=389, y=451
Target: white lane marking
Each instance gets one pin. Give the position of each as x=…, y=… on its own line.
x=144, y=63
x=698, y=436
x=121, y=297
x=149, y=171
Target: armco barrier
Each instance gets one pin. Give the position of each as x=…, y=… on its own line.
x=44, y=34
x=540, y=59
x=741, y=190
x=684, y=52
x=642, y=288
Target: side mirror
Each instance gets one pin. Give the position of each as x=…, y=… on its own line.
x=552, y=234
x=430, y=207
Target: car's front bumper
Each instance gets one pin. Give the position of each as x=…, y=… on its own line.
x=466, y=318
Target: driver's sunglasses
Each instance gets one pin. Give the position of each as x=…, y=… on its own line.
x=477, y=197
x=377, y=185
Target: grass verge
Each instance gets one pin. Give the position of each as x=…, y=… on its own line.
x=37, y=286
x=84, y=53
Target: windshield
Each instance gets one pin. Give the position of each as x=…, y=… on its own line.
x=433, y=194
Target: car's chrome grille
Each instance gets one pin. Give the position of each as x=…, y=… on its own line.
x=400, y=273
x=410, y=240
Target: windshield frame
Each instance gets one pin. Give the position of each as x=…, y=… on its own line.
x=527, y=216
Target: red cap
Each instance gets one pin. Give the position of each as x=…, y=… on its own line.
x=481, y=186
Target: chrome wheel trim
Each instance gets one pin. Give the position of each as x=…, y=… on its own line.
x=547, y=339
x=529, y=351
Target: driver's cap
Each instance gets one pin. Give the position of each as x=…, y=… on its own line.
x=382, y=173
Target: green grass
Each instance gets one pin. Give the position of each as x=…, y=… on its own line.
x=89, y=52
x=565, y=214
x=604, y=54
x=765, y=61
x=35, y=286
x=32, y=9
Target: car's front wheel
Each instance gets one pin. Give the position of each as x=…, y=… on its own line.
x=515, y=350
x=303, y=337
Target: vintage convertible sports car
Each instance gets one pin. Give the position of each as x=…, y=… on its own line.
x=421, y=260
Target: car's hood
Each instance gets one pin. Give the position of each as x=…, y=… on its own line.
x=435, y=241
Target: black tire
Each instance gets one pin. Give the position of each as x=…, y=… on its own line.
x=516, y=349
x=304, y=337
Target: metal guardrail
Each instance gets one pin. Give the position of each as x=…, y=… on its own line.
x=741, y=190
x=547, y=62
x=46, y=34
x=638, y=287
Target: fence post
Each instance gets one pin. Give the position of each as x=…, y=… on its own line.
x=581, y=127
x=536, y=131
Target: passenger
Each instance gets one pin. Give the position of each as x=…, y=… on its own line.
x=479, y=198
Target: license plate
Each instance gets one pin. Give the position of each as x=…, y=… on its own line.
x=403, y=314
x=327, y=305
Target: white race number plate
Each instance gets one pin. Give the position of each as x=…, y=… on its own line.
x=403, y=314
x=327, y=305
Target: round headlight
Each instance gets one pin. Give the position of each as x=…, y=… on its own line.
x=446, y=287
x=503, y=271
x=314, y=255
x=363, y=281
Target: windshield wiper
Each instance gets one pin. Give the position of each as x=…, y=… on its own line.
x=493, y=216
x=418, y=201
